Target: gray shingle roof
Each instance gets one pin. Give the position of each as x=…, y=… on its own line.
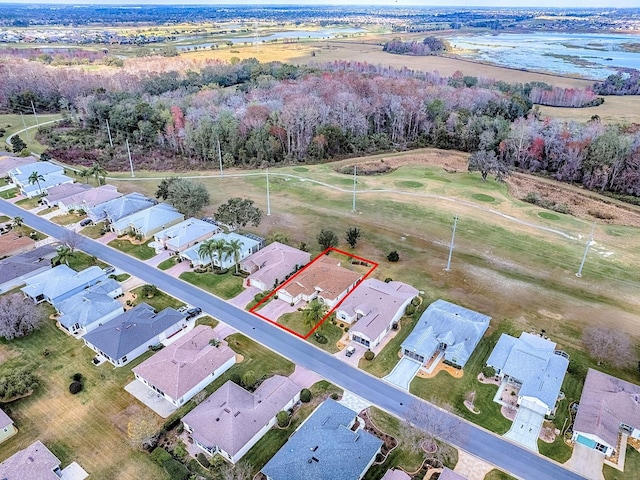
x=442, y=322
x=120, y=207
x=35, y=462
x=132, y=329
x=231, y=416
x=90, y=305
x=325, y=448
x=149, y=219
x=19, y=265
x=63, y=191
x=532, y=361
x=606, y=402
x=60, y=281
x=450, y=475
x=22, y=172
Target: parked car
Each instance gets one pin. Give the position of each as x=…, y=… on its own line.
x=85, y=222
x=192, y=312
x=209, y=220
x=183, y=309
x=350, y=350
x=109, y=270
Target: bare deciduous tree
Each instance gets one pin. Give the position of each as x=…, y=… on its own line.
x=609, y=346
x=143, y=430
x=240, y=471
x=425, y=429
x=18, y=316
x=71, y=239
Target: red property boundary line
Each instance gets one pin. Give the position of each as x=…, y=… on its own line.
x=324, y=253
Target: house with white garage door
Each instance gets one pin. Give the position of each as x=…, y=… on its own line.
x=374, y=307
x=272, y=265
x=608, y=413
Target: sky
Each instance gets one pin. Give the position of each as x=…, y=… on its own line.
x=470, y=3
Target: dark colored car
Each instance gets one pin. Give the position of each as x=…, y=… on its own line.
x=85, y=222
x=192, y=312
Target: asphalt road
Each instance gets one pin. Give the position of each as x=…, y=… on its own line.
x=458, y=432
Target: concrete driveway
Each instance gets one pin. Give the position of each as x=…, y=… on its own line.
x=587, y=462
x=403, y=372
x=244, y=298
x=526, y=426
x=276, y=308
x=353, y=359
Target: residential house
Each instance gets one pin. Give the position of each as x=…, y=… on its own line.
x=183, y=235
x=609, y=409
x=375, y=306
x=60, y=283
x=9, y=162
x=148, y=221
x=54, y=194
x=12, y=243
x=248, y=247
x=331, y=443
x=120, y=207
x=448, y=474
x=14, y=271
x=448, y=330
x=231, y=420
x=7, y=428
x=324, y=279
x=36, y=462
x=393, y=474
x=130, y=334
x=90, y=308
x=52, y=174
x=532, y=364
x=272, y=265
x=184, y=368
x=89, y=198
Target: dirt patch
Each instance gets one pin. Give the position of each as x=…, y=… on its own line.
x=548, y=314
x=7, y=353
x=451, y=161
x=122, y=419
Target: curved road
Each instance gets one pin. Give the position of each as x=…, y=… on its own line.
x=471, y=438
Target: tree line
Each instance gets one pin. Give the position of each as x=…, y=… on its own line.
x=428, y=46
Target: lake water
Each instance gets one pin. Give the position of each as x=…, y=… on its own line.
x=587, y=55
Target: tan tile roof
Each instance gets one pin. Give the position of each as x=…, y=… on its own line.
x=11, y=243
x=606, y=402
x=274, y=262
x=325, y=275
x=231, y=416
x=178, y=368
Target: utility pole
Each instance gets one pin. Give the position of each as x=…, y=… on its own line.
x=268, y=199
x=109, y=132
x=353, y=208
x=220, y=158
x=453, y=236
x=130, y=161
x=24, y=124
x=34, y=113
x=586, y=250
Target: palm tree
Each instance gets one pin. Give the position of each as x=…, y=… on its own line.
x=234, y=249
x=98, y=173
x=314, y=312
x=63, y=254
x=207, y=250
x=220, y=248
x=36, y=177
x=85, y=173
x=17, y=222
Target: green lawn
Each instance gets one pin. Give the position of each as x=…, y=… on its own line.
x=47, y=210
x=295, y=321
x=159, y=301
x=120, y=278
x=558, y=450
x=28, y=203
x=93, y=231
x=67, y=219
x=498, y=475
x=631, y=467
x=141, y=252
x=168, y=263
x=7, y=194
x=401, y=456
x=13, y=123
x=224, y=286
x=207, y=320
x=275, y=438
x=88, y=427
x=80, y=260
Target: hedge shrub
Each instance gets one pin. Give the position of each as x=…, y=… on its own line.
x=369, y=355
x=75, y=387
x=305, y=395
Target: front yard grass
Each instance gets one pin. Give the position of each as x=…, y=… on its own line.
x=68, y=218
x=558, y=450
x=295, y=321
x=84, y=427
x=168, y=263
x=80, y=260
x=28, y=203
x=631, y=467
x=93, y=231
x=496, y=474
x=159, y=301
x=225, y=286
x=141, y=252
x=7, y=194
x=384, y=362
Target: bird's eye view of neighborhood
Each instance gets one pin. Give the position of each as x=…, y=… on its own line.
x=320, y=241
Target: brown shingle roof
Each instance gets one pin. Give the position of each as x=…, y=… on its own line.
x=606, y=402
x=182, y=365
x=35, y=462
x=325, y=275
x=274, y=262
x=231, y=416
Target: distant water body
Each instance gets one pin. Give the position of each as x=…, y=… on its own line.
x=587, y=55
